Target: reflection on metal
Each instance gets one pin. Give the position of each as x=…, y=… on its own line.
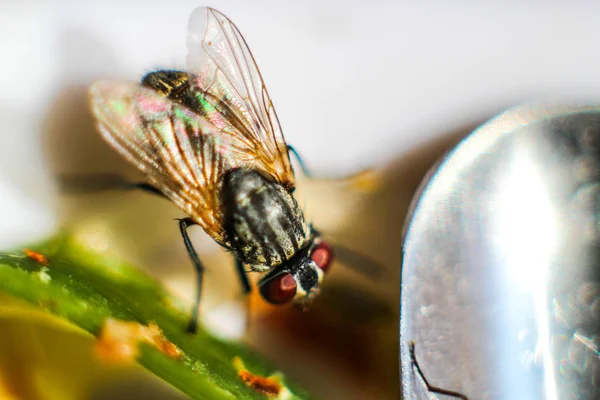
x=501, y=270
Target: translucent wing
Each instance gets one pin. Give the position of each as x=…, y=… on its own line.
x=181, y=153
x=237, y=99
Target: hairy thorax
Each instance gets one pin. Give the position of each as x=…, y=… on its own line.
x=263, y=222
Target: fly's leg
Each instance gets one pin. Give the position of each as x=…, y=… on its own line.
x=242, y=274
x=94, y=183
x=365, y=180
x=85, y=184
x=184, y=224
x=355, y=260
x=358, y=262
x=430, y=388
x=300, y=161
x=245, y=282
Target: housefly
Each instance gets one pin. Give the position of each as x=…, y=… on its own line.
x=208, y=139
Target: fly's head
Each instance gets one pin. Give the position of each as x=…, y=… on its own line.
x=300, y=277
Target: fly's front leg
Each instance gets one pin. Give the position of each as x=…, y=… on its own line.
x=365, y=180
x=300, y=161
x=430, y=388
x=355, y=260
x=184, y=224
x=84, y=184
x=242, y=274
x=245, y=282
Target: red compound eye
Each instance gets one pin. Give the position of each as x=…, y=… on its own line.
x=322, y=255
x=279, y=290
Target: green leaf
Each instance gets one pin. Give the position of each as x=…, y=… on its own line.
x=86, y=289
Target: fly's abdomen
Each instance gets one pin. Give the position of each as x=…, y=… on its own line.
x=263, y=222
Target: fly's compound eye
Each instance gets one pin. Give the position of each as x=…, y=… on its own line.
x=279, y=290
x=322, y=255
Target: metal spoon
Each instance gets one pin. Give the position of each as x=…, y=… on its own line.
x=501, y=270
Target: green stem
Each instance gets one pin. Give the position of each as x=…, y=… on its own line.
x=86, y=289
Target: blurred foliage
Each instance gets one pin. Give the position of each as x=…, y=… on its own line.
x=85, y=290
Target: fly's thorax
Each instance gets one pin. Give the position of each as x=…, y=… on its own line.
x=184, y=89
x=166, y=82
x=174, y=85
x=262, y=220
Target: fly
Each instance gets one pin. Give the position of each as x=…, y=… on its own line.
x=208, y=139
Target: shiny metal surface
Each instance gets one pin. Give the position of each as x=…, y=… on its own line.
x=501, y=270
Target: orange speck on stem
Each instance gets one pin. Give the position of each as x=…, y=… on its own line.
x=156, y=338
x=118, y=341
x=269, y=386
x=35, y=256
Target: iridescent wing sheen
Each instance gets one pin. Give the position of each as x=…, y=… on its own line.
x=183, y=154
x=236, y=99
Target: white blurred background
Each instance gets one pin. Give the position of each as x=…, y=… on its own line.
x=355, y=84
